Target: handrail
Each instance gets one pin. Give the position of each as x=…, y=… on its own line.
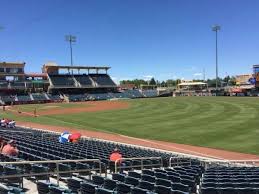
x=223, y=161
x=137, y=158
x=13, y=131
x=57, y=162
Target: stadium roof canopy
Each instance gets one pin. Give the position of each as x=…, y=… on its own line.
x=192, y=84
x=81, y=67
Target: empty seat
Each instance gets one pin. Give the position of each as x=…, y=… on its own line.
x=131, y=181
x=227, y=190
x=97, y=180
x=74, y=184
x=148, y=172
x=40, y=169
x=118, y=177
x=134, y=174
x=103, y=191
x=148, y=178
x=164, y=182
x=123, y=188
x=146, y=185
x=209, y=190
x=247, y=190
x=58, y=190
x=159, y=189
x=87, y=188
x=180, y=187
x=161, y=175
x=109, y=184
x=137, y=190
x=174, y=179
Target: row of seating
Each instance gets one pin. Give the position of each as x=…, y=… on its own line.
x=26, y=98
x=230, y=180
x=187, y=177
x=91, y=80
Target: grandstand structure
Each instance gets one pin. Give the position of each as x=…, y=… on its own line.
x=256, y=75
x=58, y=83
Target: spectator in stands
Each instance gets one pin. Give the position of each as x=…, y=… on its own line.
x=11, y=124
x=2, y=144
x=3, y=122
x=10, y=149
x=116, y=156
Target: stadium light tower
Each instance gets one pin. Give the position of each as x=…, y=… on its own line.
x=216, y=28
x=70, y=38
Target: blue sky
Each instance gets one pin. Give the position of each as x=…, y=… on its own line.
x=137, y=38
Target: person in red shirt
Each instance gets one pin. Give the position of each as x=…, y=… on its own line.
x=10, y=149
x=116, y=156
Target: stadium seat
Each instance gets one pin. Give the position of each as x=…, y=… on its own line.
x=137, y=190
x=159, y=189
x=163, y=182
x=74, y=184
x=103, y=191
x=118, y=177
x=109, y=184
x=148, y=178
x=87, y=188
x=131, y=181
x=97, y=180
x=146, y=185
x=123, y=188
x=134, y=174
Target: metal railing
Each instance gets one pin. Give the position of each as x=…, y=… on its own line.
x=55, y=171
x=137, y=166
x=207, y=162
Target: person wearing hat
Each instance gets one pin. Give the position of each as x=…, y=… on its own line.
x=10, y=149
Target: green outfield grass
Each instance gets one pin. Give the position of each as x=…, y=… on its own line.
x=230, y=123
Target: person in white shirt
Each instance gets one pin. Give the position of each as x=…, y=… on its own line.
x=11, y=124
x=3, y=123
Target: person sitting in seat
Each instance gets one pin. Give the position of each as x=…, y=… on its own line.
x=11, y=124
x=116, y=156
x=3, y=122
x=2, y=143
x=10, y=149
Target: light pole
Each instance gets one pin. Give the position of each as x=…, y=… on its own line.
x=70, y=38
x=216, y=28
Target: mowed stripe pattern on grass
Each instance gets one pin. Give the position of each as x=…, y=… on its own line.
x=229, y=123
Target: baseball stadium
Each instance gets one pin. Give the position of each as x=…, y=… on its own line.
x=169, y=142
x=129, y=97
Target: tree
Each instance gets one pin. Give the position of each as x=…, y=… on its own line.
x=136, y=82
x=163, y=84
x=152, y=81
x=232, y=80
